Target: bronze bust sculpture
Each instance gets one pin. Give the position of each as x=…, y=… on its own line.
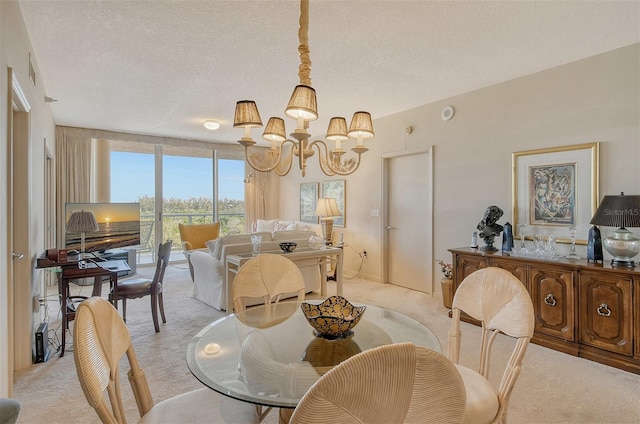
x=489, y=228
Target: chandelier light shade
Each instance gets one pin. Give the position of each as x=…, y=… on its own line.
x=622, y=212
x=274, y=131
x=82, y=222
x=326, y=209
x=303, y=104
x=302, y=107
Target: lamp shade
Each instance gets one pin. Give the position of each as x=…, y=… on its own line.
x=303, y=104
x=82, y=222
x=337, y=129
x=361, y=126
x=247, y=114
x=618, y=211
x=327, y=207
x=274, y=131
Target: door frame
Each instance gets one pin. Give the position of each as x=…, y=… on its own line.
x=15, y=333
x=385, y=158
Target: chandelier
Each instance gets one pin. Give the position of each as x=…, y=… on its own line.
x=303, y=108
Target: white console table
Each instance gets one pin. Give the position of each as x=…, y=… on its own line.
x=325, y=256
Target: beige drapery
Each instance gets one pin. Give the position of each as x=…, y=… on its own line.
x=255, y=191
x=74, y=168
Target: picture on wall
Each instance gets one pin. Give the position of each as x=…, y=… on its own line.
x=308, y=201
x=336, y=189
x=555, y=188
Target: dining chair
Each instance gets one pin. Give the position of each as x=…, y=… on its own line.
x=397, y=383
x=266, y=276
x=501, y=303
x=100, y=340
x=139, y=287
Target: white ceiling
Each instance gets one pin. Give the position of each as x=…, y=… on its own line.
x=162, y=67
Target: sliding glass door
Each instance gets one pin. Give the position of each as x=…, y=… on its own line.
x=177, y=185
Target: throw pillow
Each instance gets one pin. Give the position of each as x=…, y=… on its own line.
x=265, y=226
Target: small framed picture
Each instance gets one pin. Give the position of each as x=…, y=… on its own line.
x=308, y=201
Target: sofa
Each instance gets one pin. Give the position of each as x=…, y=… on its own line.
x=209, y=265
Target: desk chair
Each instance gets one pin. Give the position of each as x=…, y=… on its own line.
x=100, y=340
x=497, y=299
x=266, y=276
x=397, y=383
x=140, y=287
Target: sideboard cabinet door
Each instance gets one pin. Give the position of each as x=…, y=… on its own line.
x=553, y=297
x=466, y=265
x=606, y=313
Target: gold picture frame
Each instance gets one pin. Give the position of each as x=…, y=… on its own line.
x=554, y=189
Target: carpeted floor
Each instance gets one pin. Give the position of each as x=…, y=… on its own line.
x=553, y=387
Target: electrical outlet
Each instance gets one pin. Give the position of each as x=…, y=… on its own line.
x=364, y=253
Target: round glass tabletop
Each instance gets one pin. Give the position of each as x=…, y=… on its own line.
x=269, y=355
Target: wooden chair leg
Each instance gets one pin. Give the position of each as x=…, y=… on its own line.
x=161, y=304
x=154, y=311
x=124, y=309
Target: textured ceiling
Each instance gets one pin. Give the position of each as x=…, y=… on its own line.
x=163, y=67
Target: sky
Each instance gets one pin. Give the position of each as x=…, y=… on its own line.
x=132, y=176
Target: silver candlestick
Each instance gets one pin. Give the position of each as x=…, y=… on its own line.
x=572, y=251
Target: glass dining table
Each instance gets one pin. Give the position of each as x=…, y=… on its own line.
x=269, y=355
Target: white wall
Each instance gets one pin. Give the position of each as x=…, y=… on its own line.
x=14, y=53
x=595, y=99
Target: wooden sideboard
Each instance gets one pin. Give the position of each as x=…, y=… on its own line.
x=584, y=309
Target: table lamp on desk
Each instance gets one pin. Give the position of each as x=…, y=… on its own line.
x=82, y=222
x=326, y=209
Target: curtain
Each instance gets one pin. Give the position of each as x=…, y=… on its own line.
x=73, y=173
x=257, y=186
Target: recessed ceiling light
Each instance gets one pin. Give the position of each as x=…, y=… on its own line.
x=211, y=125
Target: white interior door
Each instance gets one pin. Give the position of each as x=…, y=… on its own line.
x=409, y=220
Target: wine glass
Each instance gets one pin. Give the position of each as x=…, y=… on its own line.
x=572, y=251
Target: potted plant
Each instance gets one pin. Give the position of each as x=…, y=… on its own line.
x=446, y=283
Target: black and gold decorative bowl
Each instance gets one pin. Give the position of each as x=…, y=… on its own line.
x=334, y=318
x=288, y=246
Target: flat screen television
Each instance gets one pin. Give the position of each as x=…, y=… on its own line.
x=119, y=226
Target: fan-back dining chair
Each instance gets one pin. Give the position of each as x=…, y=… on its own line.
x=397, y=383
x=100, y=340
x=266, y=276
x=497, y=299
x=139, y=287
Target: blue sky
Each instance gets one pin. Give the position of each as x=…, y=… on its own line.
x=132, y=175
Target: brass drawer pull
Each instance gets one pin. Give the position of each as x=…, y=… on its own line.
x=603, y=310
x=550, y=300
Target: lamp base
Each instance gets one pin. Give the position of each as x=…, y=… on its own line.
x=327, y=229
x=623, y=246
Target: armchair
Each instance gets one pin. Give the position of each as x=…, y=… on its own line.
x=195, y=236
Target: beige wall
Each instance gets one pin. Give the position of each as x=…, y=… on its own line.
x=14, y=53
x=595, y=99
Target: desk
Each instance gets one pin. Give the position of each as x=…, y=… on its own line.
x=273, y=351
x=73, y=270
x=324, y=256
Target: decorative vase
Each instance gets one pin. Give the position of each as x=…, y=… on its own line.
x=447, y=292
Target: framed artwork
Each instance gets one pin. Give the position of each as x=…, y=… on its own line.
x=336, y=189
x=308, y=200
x=554, y=189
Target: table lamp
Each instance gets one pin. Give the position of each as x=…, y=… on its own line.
x=326, y=209
x=622, y=212
x=82, y=222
